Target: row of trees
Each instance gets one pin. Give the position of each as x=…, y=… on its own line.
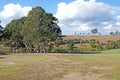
x=116, y=33
x=34, y=33
x=95, y=31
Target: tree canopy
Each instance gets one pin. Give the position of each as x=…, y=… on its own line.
x=94, y=31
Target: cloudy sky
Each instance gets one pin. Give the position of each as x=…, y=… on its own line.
x=75, y=16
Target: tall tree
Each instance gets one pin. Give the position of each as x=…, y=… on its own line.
x=40, y=28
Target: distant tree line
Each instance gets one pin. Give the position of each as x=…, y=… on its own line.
x=116, y=33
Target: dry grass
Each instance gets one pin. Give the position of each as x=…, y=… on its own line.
x=102, y=38
x=60, y=67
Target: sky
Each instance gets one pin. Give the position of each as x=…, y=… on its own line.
x=75, y=16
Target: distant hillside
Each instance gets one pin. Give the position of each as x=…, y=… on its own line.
x=101, y=38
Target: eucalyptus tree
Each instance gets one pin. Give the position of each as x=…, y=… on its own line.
x=39, y=29
x=11, y=34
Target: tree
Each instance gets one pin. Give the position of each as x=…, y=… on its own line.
x=80, y=33
x=40, y=28
x=99, y=47
x=117, y=33
x=110, y=44
x=112, y=33
x=70, y=47
x=11, y=34
x=92, y=43
x=94, y=31
x=1, y=30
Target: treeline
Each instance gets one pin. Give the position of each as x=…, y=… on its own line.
x=37, y=32
x=116, y=33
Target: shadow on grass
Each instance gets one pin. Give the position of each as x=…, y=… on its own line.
x=3, y=53
x=2, y=57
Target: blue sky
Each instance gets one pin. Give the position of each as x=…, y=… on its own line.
x=72, y=14
x=48, y=5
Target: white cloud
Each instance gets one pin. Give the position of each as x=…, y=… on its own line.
x=109, y=27
x=14, y=11
x=85, y=15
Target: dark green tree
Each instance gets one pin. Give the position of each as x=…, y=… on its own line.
x=112, y=33
x=11, y=34
x=94, y=31
x=39, y=29
x=117, y=33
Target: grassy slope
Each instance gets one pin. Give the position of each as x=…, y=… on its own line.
x=114, y=51
x=102, y=38
x=87, y=47
x=102, y=66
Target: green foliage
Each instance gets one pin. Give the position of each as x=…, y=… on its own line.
x=70, y=47
x=92, y=43
x=116, y=33
x=34, y=31
x=1, y=30
x=110, y=45
x=94, y=31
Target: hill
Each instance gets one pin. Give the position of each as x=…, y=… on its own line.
x=81, y=43
x=101, y=38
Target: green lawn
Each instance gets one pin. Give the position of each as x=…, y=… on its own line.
x=114, y=51
x=103, y=66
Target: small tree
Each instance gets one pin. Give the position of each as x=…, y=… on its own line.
x=117, y=33
x=94, y=31
x=70, y=47
x=112, y=33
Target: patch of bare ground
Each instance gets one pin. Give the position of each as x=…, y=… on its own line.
x=81, y=76
x=103, y=68
x=40, y=70
x=54, y=58
x=7, y=63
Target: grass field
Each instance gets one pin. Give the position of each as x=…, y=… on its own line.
x=103, y=66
